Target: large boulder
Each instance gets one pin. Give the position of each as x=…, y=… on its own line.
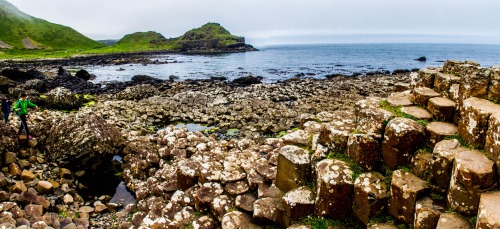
x=488, y=215
x=138, y=92
x=63, y=98
x=334, y=188
x=79, y=141
x=293, y=168
x=406, y=188
x=83, y=74
x=402, y=138
x=370, y=196
x=21, y=76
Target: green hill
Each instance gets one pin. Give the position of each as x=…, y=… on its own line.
x=144, y=41
x=22, y=31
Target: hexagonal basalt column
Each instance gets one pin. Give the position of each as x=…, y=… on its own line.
x=334, y=188
x=294, y=167
x=422, y=94
x=401, y=140
x=473, y=173
x=427, y=77
x=494, y=89
x=372, y=121
x=488, y=215
x=443, y=109
x=492, y=146
x=453, y=221
x=406, y=188
x=438, y=131
x=334, y=134
x=442, y=163
x=364, y=150
x=370, y=196
x=475, y=114
x=297, y=203
x=427, y=213
x=443, y=82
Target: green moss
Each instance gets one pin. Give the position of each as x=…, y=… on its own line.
x=473, y=220
x=324, y=223
x=232, y=132
x=89, y=104
x=355, y=167
x=43, y=96
x=461, y=141
x=397, y=111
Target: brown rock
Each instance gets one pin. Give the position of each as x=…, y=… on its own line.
x=427, y=77
x=205, y=194
x=33, y=210
x=442, y=163
x=454, y=67
x=406, y=188
x=417, y=112
x=245, y=202
x=421, y=164
x=438, y=131
x=10, y=157
x=492, y=146
x=204, y=222
x=298, y=137
x=475, y=114
x=402, y=138
x=454, y=94
x=28, y=198
x=237, y=188
x=44, y=187
x=364, y=150
x=372, y=121
x=334, y=188
x=268, y=210
x=370, y=196
x=27, y=176
x=400, y=99
x=474, y=81
x=488, y=215
x=443, y=109
x=422, y=94
x=269, y=191
x=19, y=187
x=473, y=173
x=293, y=168
x=187, y=174
x=368, y=102
x=65, y=173
x=443, y=82
x=383, y=226
x=334, y=134
x=220, y=206
x=14, y=169
x=427, y=213
x=234, y=220
x=453, y=221
x=494, y=87
x=297, y=203
x=211, y=171
x=254, y=179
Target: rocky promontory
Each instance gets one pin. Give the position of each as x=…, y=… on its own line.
x=383, y=151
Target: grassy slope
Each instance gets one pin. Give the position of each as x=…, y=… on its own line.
x=16, y=25
x=210, y=31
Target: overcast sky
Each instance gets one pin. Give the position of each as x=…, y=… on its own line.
x=267, y=22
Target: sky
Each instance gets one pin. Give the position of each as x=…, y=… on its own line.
x=274, y=22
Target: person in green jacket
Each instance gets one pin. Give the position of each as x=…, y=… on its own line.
x=21, y=108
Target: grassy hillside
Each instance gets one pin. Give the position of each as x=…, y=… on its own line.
x=145, y=41
x=16, y=26
x=210, y=31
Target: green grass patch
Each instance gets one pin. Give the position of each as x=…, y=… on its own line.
x=461, y=141
x=397, y=111
x=473, y=221
x=323, y=223
x=355, y=167
x=437, y=196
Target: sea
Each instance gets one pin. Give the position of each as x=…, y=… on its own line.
x=281, y=62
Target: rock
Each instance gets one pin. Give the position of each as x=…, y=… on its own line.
x=427, y=77
x=334, y=188
x=473, y=173
x=245, y=202
x=138, y=92
x=234, y=220
x=475, y=114
x=443, y=82
x=8, y=141
x=79, y=141
x=454, y=67
x=427, y=213
x=402, y=138
x=44, y=187
x=422, y=94
x=372, y=121
x=220, y=206
x=206, y=194
x=27, y=176
x=187, y=173
x=33, y=210
x=237, y=188
x=406, y=188
x=400, y=99
x=488, y=215
x=28, y=197
x=474, y=81
x=99, y=207
x=298, y=137
x=293, y=168
x=438, y=131
x=204, y=222
x=442, y=163
x=492, y=146
x=334, y=134
x=14, y=170
x=21, y=76
x=83, y=74
x=63, y=98
x=364, y=150
x=421, y=164
x=453, y=221
x=248, y=80
x=442, y=109
x=297, y=204
x=383, y=226
x=268, y=210
x=417, y=112
x=494, y=87
x=19, y=187
x=65, y=173
x=370, y=196
x=269, y=191
x=68, y=199
x=368, y=102
x=454, y=94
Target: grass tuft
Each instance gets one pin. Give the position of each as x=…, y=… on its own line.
x=355, y=167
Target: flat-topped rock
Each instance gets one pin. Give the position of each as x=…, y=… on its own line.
x=370, y=196
x=368, y=102
x=443, y=109
x=365, y=150
x=372, y=121
x=427, y=77
x=383, y=226
x=443, y=82
x=268, y=210
x=422, y=94
x=406, y=188
x=234, y=220
x=334, y=134
x=488, y=215
x=474, y=81
x=427, y=212
x=494, y=88
x=294, y=166
x=402, y=138
x=438, y=131
x=417, y=112
x=298, y=137
x=399, y=99
x=334, y=188
x=453, y=221
x=454, y=66
x=475, y=114
x=473, y=173
x=297, y=203
x=492, y=146
x=442, y=163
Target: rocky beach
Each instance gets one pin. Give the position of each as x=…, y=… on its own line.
x=405, y=150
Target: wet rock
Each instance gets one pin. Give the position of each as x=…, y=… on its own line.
x=442, y=109
x=245, y=202
x=334, y=134
x=488, y=215
x=475, y=114
x=427, y=213
x=220, y=206
x=422, y=94
x=297, y=203
x=427, y=77
x=443, y=156
x=473, y=173
x=334, y=188
x=400, y=99
x=234, y=220
x=268, y=210
x=80, y=141
x=406, y=188
x=492, y=145
x=421, y=164
x=453, y=221
x=83, y=74
x=494, y=87
x=370, y=196
x=402, y=138
x=443, y=82
x=298, y=137
x=205, y=194
x=293, y=168
x=417, y=112
x=438, y=131
x=365, y=150
x=372, y=121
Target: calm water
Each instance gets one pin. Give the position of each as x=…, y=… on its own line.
x=282, y=62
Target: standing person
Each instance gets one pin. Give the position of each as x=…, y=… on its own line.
x=21, y=107
x=6, y=104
